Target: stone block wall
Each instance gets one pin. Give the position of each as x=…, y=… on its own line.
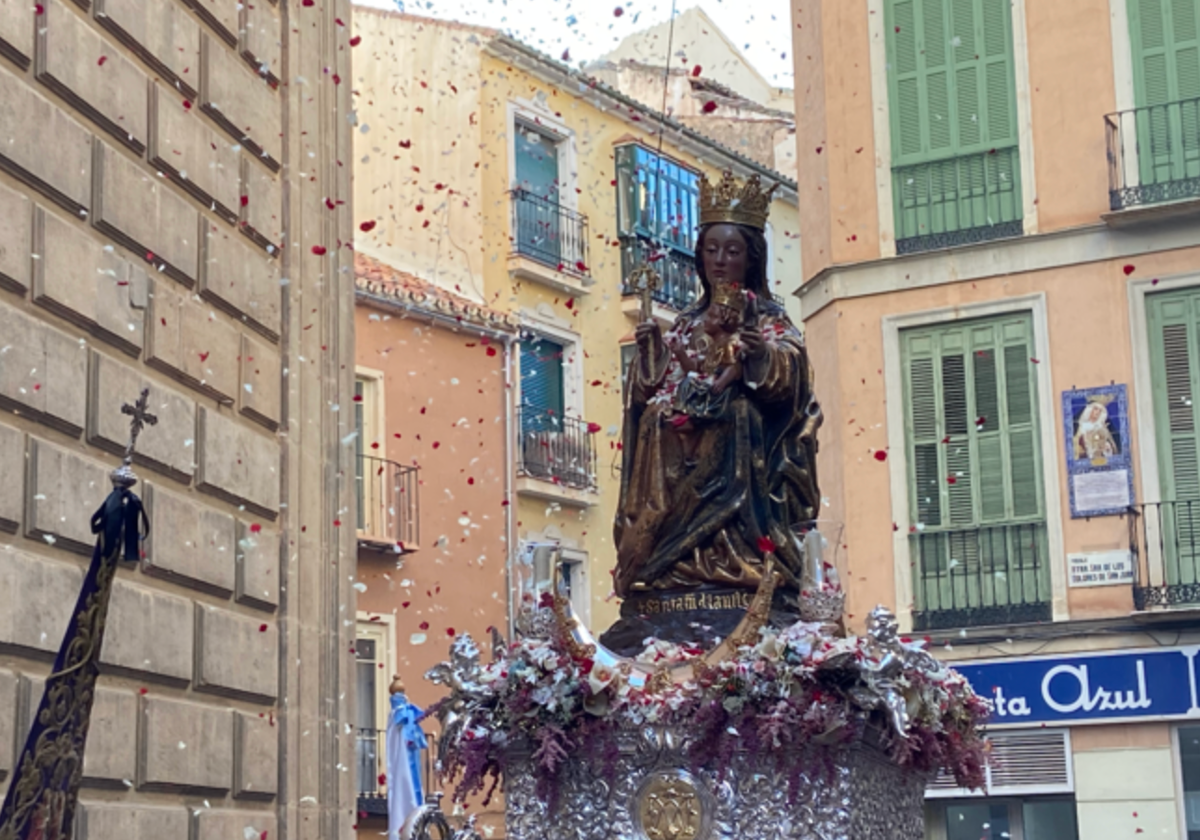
x=144, y=188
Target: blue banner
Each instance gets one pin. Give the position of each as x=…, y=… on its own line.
x=1156, y=683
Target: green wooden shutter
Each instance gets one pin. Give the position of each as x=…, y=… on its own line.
x=1174, y=356
x=542, y=397
x=1165, y=36
x=1175, y=369
x=953, y=111
x=974, y=469
x=972, y=423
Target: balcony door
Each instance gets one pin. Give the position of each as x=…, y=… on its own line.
x=536, y=198
x=956, y=168
x=975, y=475
x=1165, y=37
x=1174, y=328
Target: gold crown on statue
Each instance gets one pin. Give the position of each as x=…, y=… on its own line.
x=729, y=294
x=750, y=205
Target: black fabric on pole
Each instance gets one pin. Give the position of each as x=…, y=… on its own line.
x=41, y=799
x=119, y=515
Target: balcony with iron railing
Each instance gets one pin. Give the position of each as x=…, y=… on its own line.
x=1164, y=542
x=370, y=751
x=550, y=242
x=679, y=284
x=557, y=450
x=1154, y=155
x=980, y=576
x=389, y=504
x=958, y=201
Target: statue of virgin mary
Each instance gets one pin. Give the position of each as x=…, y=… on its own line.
x=719, y=439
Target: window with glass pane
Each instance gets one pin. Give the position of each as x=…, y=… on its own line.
x=1189, y=759
x=536, y=197
x=359, y=434
x=1049, y=819
x=1031, y=818
x=656, y=198
x=977, y=821
x=974, y=473
x=369, y=744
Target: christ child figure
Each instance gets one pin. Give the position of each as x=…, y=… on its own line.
x=715, y=348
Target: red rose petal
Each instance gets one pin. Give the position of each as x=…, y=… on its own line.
x=337, y=523
x=245, y=200
x=951, y=480
x=766, y=545
x=319, y=250
x=593, y=428
x=424, y=625
x=880, y=455
x=617, y=12
x=356, y=40
x=449, y=631
x=103, y=59
x=255, y=528
x=368, y=226
x=262, y=628
x=697, y=70
x=1128, y=270
x=709, y=107
x=491, y=351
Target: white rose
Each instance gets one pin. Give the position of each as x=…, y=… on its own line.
x=600, y=677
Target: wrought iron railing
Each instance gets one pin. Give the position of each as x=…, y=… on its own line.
x=966, y=199
x=680, y=284
x=1153, y=154
x=389, y=502
x=984, y=575
x=1164, y=539
x=557, y=449
x=370, y=753
x=550, y=233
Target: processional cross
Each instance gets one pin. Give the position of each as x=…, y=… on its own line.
x=41, y=799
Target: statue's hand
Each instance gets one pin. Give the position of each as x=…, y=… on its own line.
x=754, y=346
x=649, y=338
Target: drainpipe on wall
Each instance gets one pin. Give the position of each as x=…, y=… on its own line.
x=510, y=469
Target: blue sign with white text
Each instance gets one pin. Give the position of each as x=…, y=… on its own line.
x=1154, y=683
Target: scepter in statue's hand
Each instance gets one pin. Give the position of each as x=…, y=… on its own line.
x=646, y=281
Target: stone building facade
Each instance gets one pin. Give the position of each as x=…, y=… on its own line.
x=173, y=214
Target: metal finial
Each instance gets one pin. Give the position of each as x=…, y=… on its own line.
x=123, y=476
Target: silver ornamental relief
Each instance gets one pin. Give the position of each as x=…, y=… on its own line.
x=863, y=797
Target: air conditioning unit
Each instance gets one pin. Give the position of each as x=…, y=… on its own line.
x=1023, y=762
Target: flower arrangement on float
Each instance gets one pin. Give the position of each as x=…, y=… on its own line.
x=796, y=694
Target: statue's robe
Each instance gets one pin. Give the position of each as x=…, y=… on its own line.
x=685, y=522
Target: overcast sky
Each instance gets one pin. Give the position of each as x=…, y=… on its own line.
x=590, y=28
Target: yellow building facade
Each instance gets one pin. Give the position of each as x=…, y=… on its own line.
x=501, y=174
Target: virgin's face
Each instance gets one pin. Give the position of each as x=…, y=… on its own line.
x=724, y=255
